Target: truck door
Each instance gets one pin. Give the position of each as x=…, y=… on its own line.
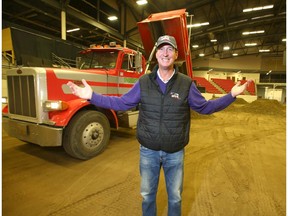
x=127, y=73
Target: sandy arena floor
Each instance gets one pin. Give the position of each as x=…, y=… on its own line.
x=235, y=165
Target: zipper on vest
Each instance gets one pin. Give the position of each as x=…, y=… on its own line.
x=161, y=114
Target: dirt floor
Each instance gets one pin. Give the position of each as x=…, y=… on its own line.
x=235, y=164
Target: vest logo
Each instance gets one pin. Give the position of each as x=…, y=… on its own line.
x=175, y=95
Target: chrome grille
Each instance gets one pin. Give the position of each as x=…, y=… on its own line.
x=21, y=95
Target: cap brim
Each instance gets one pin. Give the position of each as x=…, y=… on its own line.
x=165, y=42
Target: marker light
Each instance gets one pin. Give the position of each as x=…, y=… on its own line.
x=51, y=105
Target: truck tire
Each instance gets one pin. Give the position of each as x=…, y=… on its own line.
x=87, y=134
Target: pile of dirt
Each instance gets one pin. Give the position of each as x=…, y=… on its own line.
x=265, y=106
x=260, y=106
x=233, y=107
x=195, y=115
x=236, y=105
x=240, y=101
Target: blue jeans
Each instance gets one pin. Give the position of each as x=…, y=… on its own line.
x=150, y=164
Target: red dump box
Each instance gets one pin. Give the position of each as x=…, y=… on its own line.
x=167, y=23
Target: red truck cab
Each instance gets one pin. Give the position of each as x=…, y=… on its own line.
x=42, y=110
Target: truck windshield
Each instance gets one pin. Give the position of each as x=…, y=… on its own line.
x=106, y=60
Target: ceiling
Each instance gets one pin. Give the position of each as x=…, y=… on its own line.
x=226, y=18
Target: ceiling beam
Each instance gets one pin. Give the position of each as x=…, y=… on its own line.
x=85, y=18
x=81, y=16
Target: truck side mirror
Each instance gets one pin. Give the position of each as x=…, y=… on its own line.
x=138, y=62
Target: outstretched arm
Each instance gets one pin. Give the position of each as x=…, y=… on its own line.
x=239, y=89
x=84, y=93
x=199, y=104
x=125, y=102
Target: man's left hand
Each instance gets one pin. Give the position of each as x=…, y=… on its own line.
x=239, y=89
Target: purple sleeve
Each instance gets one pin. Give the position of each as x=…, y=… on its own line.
x=125, y=102
x=199, y=104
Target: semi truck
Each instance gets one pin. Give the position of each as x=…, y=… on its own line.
x=42, y=110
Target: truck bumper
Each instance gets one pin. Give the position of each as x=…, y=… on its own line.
x=30, y=132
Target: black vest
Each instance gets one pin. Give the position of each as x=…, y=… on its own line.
x=164, y=119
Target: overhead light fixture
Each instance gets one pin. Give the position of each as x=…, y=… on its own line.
x=72, y=30
x=239, y=21
x=112, y=18
x=261, y=17
x=284, y=39
x=268, y=72
x=213, y=40
x=141, y=2
x=251, y=44
x=197, y=25
x=31, y=15
x=264, y=50
x=258, y=8
x=195, y=46
x=235, y=54
x=267, y=7
x=226, y=48
x=253, y=32
x=215, y=28
x=201, y=54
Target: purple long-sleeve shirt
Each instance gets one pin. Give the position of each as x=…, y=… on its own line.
x=132, y=98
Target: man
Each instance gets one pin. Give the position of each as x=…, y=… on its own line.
x=165, y=97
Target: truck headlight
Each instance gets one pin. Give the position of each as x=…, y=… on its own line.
x=51, y=105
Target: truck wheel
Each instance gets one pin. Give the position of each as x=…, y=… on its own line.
x=87, y=134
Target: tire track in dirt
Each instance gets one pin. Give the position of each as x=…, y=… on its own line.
x=229, y=153
x=234, y=163
x=117, y=197
x=240, y=168
x=266, y=201
x=120, y=199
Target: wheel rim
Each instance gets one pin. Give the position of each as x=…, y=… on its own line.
x=93, y=135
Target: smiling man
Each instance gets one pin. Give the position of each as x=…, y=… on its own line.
x=165, y=98
x=166, y=55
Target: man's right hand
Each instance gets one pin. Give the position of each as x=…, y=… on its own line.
x=84, y=93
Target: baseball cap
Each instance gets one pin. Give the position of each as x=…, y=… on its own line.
x=167, y=39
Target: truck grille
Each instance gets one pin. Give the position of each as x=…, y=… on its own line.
x=21, y=95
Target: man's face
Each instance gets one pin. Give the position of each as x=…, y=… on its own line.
x=166, y=55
